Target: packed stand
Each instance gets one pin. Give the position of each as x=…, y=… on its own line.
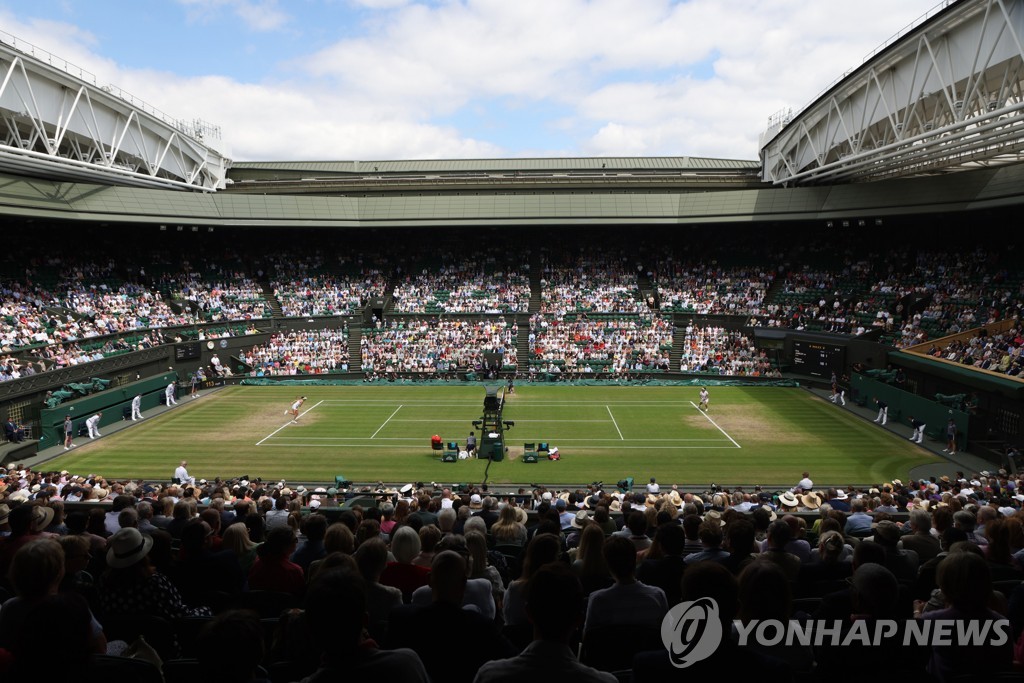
x=616, y=345
x=483, y=283
x=999, y=352
x=438, y=346
x=718, y=351
x=592, y=282
x=312, y=286
x=305, y=352
x=105, y=303
x=216, y=293
x=370, y=588
x=709, y=288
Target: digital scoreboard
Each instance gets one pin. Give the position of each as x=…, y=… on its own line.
x=818, y=359
x=186, y=351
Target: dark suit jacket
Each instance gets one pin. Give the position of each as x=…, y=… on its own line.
x=925, y=545
x=452, y=642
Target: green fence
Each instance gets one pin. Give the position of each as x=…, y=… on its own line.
x=111, y=402
x=903, y=404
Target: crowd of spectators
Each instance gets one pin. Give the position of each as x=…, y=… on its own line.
x=998, y=352
x=52, y=306
x=591, y=282
x=302, y=352
x=707, y=288
x=313, y=287
x=105, y=303
x=364, y=588
x=482, y=283
x=628, y=344
x=719, y=351
x=438, y=346
x=215, y=293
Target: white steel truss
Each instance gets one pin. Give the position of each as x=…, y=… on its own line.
x=947, y=96
x=54, y=123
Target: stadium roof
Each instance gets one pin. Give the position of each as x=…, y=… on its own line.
x=588, y=203
x=540, y=164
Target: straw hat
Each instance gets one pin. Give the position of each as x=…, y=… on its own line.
x=811, y=500
x=580, y=520
x=42, y=515
x=788, y=499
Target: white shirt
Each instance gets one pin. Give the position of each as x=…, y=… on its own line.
x=806, y=484
x=93, y=421
x=170, y=388
x=181, y=474
x=136, y=402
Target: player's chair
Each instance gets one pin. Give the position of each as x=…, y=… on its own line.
x=530, y=452
x=451, y=452
x=543, y=449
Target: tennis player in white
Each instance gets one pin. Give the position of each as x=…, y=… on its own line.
x=294, y=410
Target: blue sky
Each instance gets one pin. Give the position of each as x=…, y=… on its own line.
x=399, y=79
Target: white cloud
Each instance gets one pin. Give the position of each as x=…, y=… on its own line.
x=259, y=15
x=621, y=77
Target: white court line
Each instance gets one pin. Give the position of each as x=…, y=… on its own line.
x=286, y=424
x=614, y=422
x=518, y=420
x=519, y=405
x=715, y=423
x=427, y=447
x=386, y=421
x=419, y=439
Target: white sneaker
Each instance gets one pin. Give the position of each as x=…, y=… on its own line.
x=65, y=448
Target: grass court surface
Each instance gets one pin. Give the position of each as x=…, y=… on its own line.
x=751, y=435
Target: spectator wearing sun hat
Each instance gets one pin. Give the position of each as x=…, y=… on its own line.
x=131, y=586
x=788, y=502
x=839, y=499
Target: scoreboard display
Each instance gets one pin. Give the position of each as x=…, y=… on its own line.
x=818, y=359
x=186, y=351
